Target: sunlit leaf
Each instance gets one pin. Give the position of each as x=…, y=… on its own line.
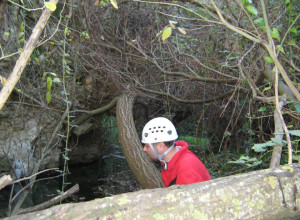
x=97, y=2
x=19, y=90
x=182, y=30
x=268, y=59
x=48, y=96
x=172, y=25
x=49, y=83
x=295, y=132
x=50, y=5
x=275, y=34
x=114, y=3
x=287, y=2
x=252, y=10
x=166, y=33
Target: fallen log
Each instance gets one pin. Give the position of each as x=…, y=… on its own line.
x=265, y=194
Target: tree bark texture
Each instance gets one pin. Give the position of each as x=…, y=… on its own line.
x=144, y=171
x=265, y=194
x=22, y=61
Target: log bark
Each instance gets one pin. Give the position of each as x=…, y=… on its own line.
x=265, y=194
x=22, y=61
x=144, y=171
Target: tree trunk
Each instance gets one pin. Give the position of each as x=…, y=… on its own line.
x=264, y=194
x=144, y=171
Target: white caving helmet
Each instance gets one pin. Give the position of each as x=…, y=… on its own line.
x=159, y=130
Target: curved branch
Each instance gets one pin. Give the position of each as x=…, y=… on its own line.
x=189, y=101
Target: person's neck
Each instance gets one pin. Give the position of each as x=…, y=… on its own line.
x=170, y=155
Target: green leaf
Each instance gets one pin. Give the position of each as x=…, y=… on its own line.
x=19, y=90
x=22, y=27
x=114, y=3
x=166, y=33
x=227, y=133
x=44, y=75
x=56, y=80
x=49, y=83
x=268, y=59
x=293, y=42
x=275, y=34
x=277, y=141
x=48, y=96
x=297, y=107
x=50, y=5
x=252, y=10
x=20, y=35
x=260, y=22
x=280, y=49
x=293, y=30
x=262, y=147
x=266, y=89
x=295, y=132
x=6, y=36
x=287, y=2
x=262, y=109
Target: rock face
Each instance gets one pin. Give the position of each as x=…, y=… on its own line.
x=21, y=139
x=25, y=133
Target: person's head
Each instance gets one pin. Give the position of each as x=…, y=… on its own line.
x=158, y=136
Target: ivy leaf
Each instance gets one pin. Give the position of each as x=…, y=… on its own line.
x=114, y=3
x=252, y=10
x=48, y=96
x=166, y=33
x=268, y=59
x=295, y=132
x=50, y=5
x=275, y=34
x=182, y=30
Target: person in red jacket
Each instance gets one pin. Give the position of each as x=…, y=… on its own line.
x=178, y=164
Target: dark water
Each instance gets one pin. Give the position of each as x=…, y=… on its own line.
x=108, y=176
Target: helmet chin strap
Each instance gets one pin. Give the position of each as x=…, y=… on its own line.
x=161, y=156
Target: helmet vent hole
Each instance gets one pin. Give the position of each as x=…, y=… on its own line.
x=146, y=134
x=161, y=130
x=170, y=132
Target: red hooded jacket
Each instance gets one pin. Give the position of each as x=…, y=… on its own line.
x=184, y=167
